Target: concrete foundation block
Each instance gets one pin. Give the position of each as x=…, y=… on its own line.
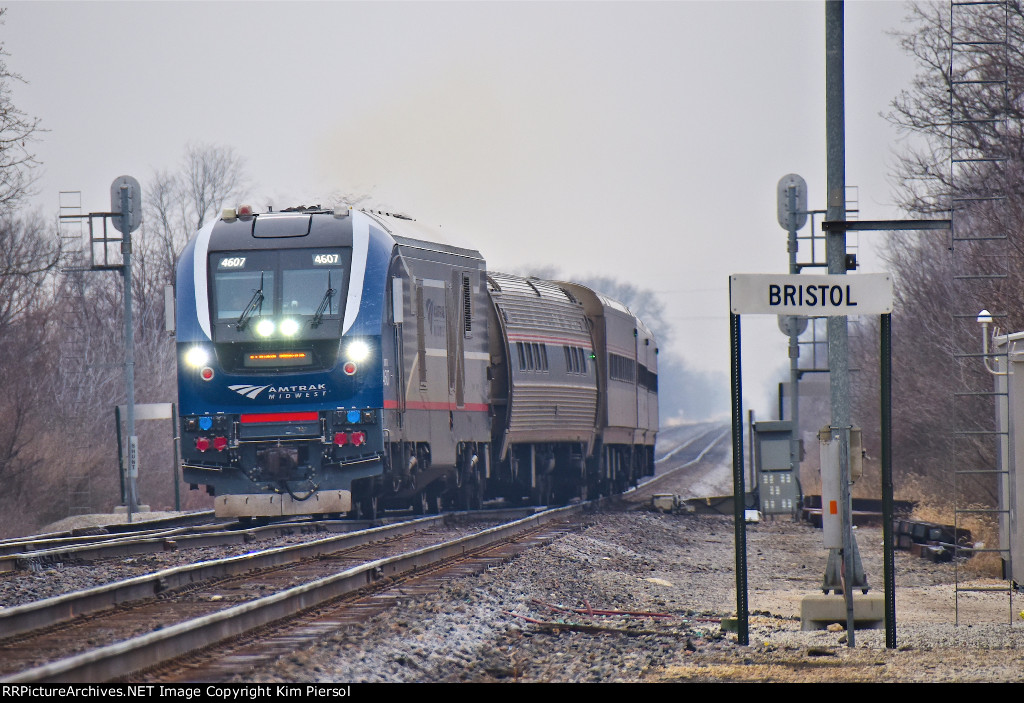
x=664, y=502
x=818, y=611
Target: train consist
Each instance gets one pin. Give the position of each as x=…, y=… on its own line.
x=345, y=361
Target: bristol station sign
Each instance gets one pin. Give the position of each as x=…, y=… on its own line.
x=813, y=296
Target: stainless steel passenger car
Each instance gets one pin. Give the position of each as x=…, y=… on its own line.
x=544, y=389
x=627, y=362
x=573, y=391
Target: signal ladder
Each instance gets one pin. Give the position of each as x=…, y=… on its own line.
x=816, y=339
x=74, y=345
x=978, y=122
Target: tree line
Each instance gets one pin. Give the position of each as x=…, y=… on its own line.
x=964, y=110
x=61, y=337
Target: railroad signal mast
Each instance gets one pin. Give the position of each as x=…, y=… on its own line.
x=822, y=295
x=125, y=217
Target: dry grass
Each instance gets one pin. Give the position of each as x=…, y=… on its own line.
x=939, y=509
x=931, y=506
x=810, y=475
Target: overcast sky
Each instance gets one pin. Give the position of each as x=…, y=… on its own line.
x=637, y=140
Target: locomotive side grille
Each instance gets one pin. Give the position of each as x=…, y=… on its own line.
x=421, y=340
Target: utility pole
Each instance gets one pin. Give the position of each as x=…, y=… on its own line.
x=838, y=341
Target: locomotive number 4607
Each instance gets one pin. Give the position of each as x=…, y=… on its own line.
x=325, y=258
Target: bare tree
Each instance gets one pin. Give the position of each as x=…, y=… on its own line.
x=179, y=202
x=17, y=132
x=28, y=343
x=683, y=391
x=642, y=302
x=965, y=82
x=73, y=334
x=212, y=175
x=971, y=147
x=27, y=257
x=57, y=405
x=166, y=217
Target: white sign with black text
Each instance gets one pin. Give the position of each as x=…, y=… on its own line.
x=814, y=296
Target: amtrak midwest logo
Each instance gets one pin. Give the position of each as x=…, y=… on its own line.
x=318, y=390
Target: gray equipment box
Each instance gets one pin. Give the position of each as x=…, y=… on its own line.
x=777, y=485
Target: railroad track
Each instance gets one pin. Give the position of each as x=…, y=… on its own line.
x=37, y=553
x=686, y=454
x=708, y=436
x=112, y=531
x=90, y=543
x=200, y=530
x=111, y=631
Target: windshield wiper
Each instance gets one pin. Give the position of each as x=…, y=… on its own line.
x=318, y=316
x=256, y=301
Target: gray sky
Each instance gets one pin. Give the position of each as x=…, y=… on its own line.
x=638, y=140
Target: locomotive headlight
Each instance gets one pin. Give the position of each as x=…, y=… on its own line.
x=265, y=327
x=289, y=327
x=197, y=357
x=357, y=351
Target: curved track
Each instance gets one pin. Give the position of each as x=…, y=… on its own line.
x=179, y=610
x=695, y=459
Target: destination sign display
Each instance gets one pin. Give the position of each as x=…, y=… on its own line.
x=257, y=360
x=814, y=296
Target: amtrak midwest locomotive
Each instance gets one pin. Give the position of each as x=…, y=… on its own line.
x=343, y=361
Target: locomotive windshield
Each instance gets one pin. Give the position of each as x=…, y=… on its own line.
x=293, y=282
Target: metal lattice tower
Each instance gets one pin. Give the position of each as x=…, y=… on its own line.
x=978, y=121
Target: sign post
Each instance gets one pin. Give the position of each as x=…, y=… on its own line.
x=738, y=490
x=832, y=296
x=146, y=411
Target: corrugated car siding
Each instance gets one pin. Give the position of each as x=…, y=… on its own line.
x=534, y=409
x=538, y=309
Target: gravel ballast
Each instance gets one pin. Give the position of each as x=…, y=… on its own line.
x=476, y=628
x=535, y=618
